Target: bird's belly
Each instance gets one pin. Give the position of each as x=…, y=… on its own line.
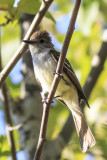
x=46, y=78
x=44, y=73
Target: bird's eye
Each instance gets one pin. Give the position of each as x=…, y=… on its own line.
x=41, y=41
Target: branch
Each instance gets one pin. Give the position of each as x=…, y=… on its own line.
x=94, y=74
x=57, y=77
x=7, y=115
x=44, y=7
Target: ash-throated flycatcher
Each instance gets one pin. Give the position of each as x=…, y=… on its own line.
x=69, y=90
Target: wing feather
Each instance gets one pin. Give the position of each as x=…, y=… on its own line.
x=71, y=75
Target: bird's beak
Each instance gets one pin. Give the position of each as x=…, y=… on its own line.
x=29, y=41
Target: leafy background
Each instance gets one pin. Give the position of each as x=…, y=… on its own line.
x=85, y=43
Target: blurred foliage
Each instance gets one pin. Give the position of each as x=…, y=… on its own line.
x=4, y=148
x=59, y=113
x=12, y=11
x=85, y=43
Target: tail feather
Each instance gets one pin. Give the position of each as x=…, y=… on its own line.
x=85, y=135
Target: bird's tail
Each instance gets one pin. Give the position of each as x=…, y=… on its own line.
x=86, y=137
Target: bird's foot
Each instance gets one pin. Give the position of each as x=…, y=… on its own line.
x=59, y=74
x=56, y=97
x=44, y=95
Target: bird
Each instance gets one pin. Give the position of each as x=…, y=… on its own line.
x=69, y=90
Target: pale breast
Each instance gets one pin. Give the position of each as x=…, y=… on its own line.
x=44, y=66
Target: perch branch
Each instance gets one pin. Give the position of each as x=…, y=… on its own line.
x=44, y=7
x=46, y=106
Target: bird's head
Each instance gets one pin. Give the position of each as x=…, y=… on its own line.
x=39, y=41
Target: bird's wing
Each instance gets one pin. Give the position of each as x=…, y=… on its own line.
x=71, y=75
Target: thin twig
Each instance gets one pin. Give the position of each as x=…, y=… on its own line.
x=7, y=115
x=15, y=127
x=44, y=7
x=46, y=106
x=18, y=126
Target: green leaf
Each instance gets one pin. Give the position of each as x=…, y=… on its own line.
x=29, y=6
x=24, y=6
x=6, y=4
x=5, y=153
x=2, y=17
x=49, y=15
